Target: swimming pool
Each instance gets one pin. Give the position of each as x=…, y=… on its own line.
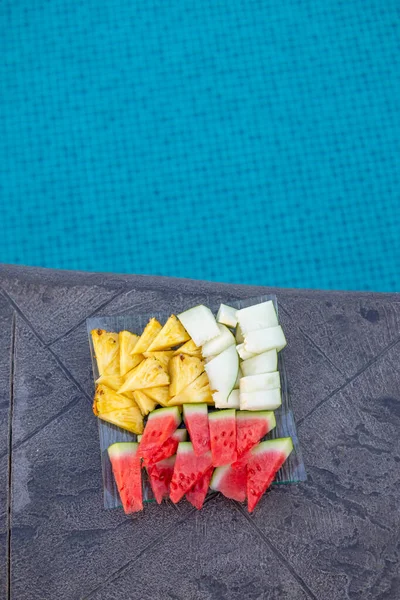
x=251, y=142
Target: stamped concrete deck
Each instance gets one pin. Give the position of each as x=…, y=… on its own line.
x=335, y=537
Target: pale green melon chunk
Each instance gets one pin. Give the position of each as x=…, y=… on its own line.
x=232, y=401
x=219, y=343
x=265, y=381
x=261, y=400
x=244, y=355
x=227, y=315
x=258, y=316
x=222, y=371
x=267, y=362
x=264, y=340
x=200, y=324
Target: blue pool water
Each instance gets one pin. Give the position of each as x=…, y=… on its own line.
x=247, y=141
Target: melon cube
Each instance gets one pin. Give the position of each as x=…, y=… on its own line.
x=261, y=400
x=267, y=362
x=243, y=353
x=265, y=381
x=219, y=343
x=200, y=324
x=263, y=340
x=222, y=371
x=259, y=316
x=227, y=315
x=232, y=401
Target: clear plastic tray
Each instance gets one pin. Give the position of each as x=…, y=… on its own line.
x=293, y=471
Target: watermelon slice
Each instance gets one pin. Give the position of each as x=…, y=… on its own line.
x=189, y=468
x=250, y=429
x=167, y=449
x=160, y=425
x=230, y=482
x=125, y=462
x=197, y=494
x=195, y=417
x=264, y=462
x=160, y=475
x=223, y=436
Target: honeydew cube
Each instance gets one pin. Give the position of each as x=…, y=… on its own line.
x=219, y=343
x=260, y=341
x=200, y=324
x=259, y=316
x=267, y=362
x=227, y=315
x=261, y=400
x=222, y=371
x=265, y=381
x=232, y=401
x=244, y=355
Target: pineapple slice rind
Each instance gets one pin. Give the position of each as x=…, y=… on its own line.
x=106, y=351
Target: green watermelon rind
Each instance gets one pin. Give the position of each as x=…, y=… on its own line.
x=192, y=409
x=284, y=445
x=181, y=434
x=185, y=447
x=163, y=412
x=121, y=449
x=218, y=475
x=226, y=413
x=256, y=415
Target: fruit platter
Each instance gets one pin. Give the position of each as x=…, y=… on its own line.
x=193, y=402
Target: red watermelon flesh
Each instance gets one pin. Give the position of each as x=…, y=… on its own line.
x=250, y=429
x=125, y=462
x=160, y=475
x=195, y=417
x=222, y=425
x=264, y=462
x=168, y=448
x=160, y=425
x=197, y=494
x=189, y=468
x=232, y=483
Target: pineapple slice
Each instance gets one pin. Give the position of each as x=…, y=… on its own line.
x=130, y=419
x=106, y=350
x=151, y=330
x=172, y=334
x=159, y=395
x=145, y=403
x=197, y=391
x=112, y=381
x=150, y=373
x=118, y=410
x=127, y=343
x=189, y=348
x=183, y=370
x=107, y=400
x=163, y=357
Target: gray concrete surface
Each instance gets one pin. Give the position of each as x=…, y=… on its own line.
x=335, y=537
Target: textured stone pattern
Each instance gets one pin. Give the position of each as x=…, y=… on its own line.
x=334, y=537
